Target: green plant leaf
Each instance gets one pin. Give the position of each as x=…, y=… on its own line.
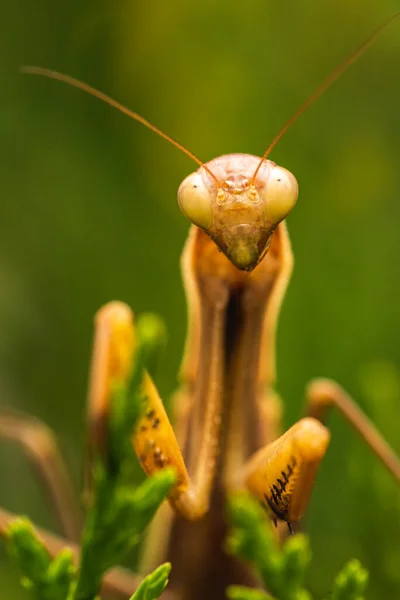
x=26, y=548
x=154, y=584
x=351, y=582
x=48, y=579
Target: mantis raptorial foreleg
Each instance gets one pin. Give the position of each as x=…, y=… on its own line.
x=155, y=441
x=40, y=446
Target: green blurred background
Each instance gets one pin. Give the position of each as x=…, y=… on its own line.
x=89, y=214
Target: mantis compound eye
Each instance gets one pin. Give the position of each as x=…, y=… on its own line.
x=280, y=194
x=195, y=201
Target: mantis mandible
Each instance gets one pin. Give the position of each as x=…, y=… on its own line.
x=236, y=266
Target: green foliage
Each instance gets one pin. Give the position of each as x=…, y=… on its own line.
x=114, y=525
x=49, y=579
x=118, y=512
x=282, y=568
x=351, y=582
x=154, y=584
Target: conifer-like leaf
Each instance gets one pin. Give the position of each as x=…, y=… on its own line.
x=350, y=582
x=48, y=579
x=154, y=584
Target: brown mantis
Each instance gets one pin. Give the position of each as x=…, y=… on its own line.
x=240, y=201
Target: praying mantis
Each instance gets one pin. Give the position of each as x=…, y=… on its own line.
x=240, y=201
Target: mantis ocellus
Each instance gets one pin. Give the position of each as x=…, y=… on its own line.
x=236, y=266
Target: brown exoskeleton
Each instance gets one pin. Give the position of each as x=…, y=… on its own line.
x=236, y=265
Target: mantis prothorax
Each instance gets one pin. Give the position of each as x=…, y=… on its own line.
x=236, y=266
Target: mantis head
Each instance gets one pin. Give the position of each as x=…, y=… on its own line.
x=238, y=200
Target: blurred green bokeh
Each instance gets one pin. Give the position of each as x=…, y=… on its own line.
x=89, y=214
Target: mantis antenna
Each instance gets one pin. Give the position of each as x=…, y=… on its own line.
x=108, y=100
x=332, y=77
